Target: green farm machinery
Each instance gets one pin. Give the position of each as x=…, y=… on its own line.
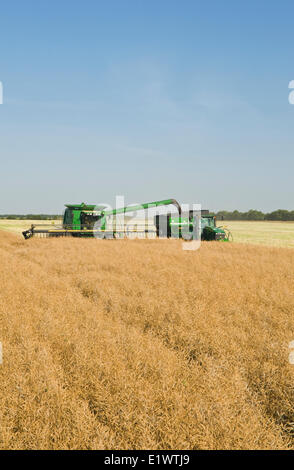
x=88, y=220
x=193, y=222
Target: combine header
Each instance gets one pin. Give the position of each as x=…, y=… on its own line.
x=84, y=220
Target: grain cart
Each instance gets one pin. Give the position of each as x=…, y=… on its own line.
x=180, y=226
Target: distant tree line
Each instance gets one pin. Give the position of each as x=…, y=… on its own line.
x=30, y=216
x=280, y=214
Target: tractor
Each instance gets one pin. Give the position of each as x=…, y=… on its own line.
x=185, y=224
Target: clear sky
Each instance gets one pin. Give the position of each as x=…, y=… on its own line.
x=147, y=99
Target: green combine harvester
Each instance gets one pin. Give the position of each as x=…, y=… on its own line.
x=88, y=220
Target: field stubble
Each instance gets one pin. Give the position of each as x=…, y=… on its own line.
x=138, y=344
x=261, y=232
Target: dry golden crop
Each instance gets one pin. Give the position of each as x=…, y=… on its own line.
x=137, y=344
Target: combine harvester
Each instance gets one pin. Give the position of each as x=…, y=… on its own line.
x=84, y=220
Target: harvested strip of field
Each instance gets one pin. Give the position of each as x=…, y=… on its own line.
x=138, y=344
x=18, y=226
x=279, y=234
x=270, y=233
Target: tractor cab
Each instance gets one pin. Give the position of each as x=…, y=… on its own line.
x=207, y=221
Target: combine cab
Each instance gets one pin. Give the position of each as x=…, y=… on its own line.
x=78, y=220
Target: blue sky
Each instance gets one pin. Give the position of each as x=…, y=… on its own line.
x=146, y=99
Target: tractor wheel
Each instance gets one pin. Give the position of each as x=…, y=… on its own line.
x=208, y=234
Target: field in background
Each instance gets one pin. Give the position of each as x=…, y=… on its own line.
x=20, y=225
x=280, y=234
x=139, y=344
